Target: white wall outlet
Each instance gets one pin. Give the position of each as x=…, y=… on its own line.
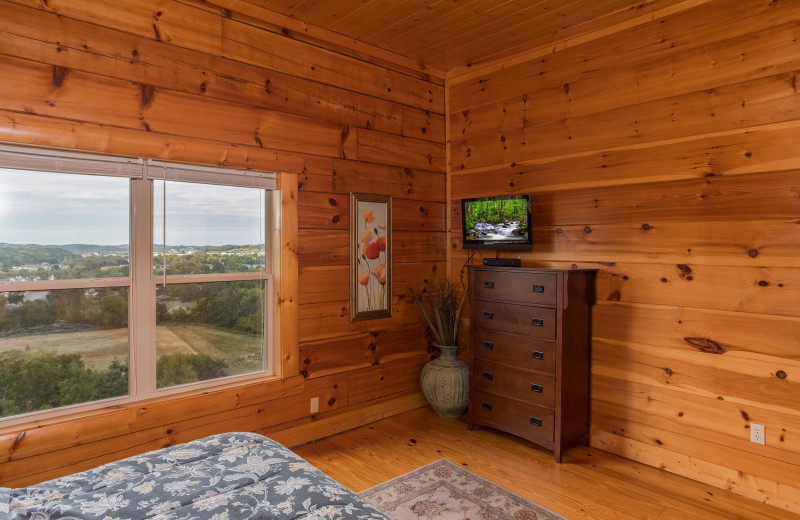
x=315, y=406
x=757, y=434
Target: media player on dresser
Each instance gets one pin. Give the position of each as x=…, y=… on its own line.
x=529, y=367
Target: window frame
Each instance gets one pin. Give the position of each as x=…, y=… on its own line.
x=142, y=282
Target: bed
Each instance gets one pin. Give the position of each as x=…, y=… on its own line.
x=229, y=476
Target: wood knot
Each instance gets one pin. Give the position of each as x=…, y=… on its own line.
x=18, y=438
x=709, y=346
x=646, y=227
x=780, y=374
x=148, y=94
x=59, y=73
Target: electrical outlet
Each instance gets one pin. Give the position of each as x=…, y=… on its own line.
x=757, y=434
x=315, y=405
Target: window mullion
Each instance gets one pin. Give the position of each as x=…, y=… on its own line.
x=143, y=292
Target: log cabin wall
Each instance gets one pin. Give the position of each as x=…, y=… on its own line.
x=664, y=153
x=182, y=81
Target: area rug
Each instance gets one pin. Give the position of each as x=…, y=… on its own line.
x=445, y=491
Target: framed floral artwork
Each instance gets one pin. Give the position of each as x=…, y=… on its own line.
x=370, y=256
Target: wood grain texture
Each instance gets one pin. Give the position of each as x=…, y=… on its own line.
x=650, y=41
x=174, y=23
x=288, y=276
x=250, y=44
x=270, y=413
x=724, y=108
x=589, y=484
x=451, y=34
x=757, y=290
x=322, y=174
x=664, y=155
x=254, y=13
x=331, y=282
x=323, y=247
x=177, y=80
x=87, y=47
x=764, y=149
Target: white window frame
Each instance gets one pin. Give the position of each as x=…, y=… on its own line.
x=142, y=282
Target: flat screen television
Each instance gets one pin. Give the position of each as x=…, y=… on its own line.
x=500, y=222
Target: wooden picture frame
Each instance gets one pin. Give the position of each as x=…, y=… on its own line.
x=370, y=256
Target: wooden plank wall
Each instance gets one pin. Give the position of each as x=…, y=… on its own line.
x=180, y=80
x=664, y=153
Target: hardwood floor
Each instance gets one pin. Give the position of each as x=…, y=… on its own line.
x=589, y=484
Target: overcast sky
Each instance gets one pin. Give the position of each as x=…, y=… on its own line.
x=48, y=208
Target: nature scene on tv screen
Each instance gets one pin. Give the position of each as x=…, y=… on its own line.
x=499, y=220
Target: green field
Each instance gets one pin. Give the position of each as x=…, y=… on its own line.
x=98, y=348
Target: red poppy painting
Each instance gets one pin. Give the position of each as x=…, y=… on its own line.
x=370, y=256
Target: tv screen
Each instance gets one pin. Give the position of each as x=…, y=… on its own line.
x=501, y=222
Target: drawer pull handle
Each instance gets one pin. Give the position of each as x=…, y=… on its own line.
x=486, y=406
x=488, y=315
x=488, y=376
x=538, y=288
x=536, y=388
x=488, y=285
x=536, y=421
x=535, y=354
x=537, y=322
x=488, y=345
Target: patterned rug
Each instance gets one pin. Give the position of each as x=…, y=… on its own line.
x=445, y=491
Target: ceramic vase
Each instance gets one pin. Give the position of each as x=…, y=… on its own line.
x=445, y=383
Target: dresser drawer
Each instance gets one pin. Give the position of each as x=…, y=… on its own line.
x=539, y=322
x=526, y=420
x=531, y=387
x=520, y=351
x=517, y=286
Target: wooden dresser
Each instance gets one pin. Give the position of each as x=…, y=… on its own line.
x=529, y=366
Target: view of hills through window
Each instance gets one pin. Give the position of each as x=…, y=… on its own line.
x=64, y=343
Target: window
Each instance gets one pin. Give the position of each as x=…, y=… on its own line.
x=126, y=279
x=210, y=242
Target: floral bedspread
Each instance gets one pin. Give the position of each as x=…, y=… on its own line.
x=224, y=477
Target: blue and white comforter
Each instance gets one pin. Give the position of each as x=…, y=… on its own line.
x=230, y=476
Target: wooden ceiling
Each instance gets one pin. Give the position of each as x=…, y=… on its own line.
x=451, y=34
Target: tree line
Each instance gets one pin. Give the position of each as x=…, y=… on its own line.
x=36, y=381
